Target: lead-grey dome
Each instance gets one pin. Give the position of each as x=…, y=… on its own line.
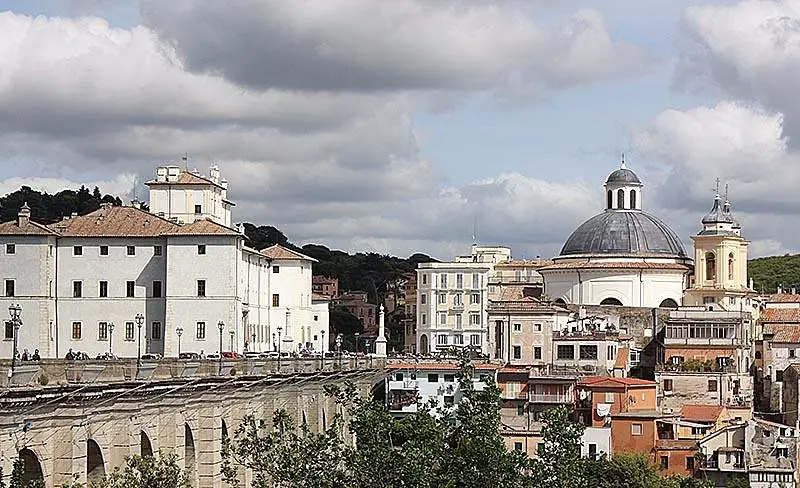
x=623, y=233
x=623, y=175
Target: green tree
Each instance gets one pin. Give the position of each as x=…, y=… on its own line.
x=159, y=471
x=344, y=322
x=559, y=463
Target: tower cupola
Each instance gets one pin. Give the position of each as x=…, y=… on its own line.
x=623, y=189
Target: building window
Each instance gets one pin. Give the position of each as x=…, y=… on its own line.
x=201, y=249
x=442, y=298
x=588, y=352
x=104, y=250
x=459, y=280
x=610, y=199
x=449, y=400
x=156, y=289
x=730, y=266
x=102, y=331
x=155, y=331
x=131, y=250
x=76, y=330
x=565, y=351
x=474, y=298
x=276, y=269
x=9, y=330
x=103, y=289
x=198, y=209
x=77, y=289
x=537, y=327
x=663, y=462
x=276, y=300
x=423, y=319
x=442, y=319
x=667, y=385
x=791, y=351
x=424, y=279
x=609, y=397
x=449, y=378
x=10, y=288
x=422, y=299
x=443, y=280
x=441, y=340
x=636, y=429
x=458, y=321
x=77, y=250
x=517, y=327
x=475, y=340
x=517, y=352
x=621, y=199
x=458, y=300
x=537, y=353
x=433, y=378
x=201, y=288
x=699, y=430
x=633, y=199
x=316, y=318
x=157, y=250
x=593, y=452
x=398, y=376
x=201, y=330
x=128, y=331
x=520, y=409
x=711, y=266
x=11, y=249
x=474, y=319
x=458, y=339
x=130, y=289
x=518, y=446
x=712, y=385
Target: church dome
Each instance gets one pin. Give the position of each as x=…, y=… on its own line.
x=623, y=233
x=623, y=175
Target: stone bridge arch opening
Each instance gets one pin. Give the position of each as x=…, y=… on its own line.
x=95, y=465
x=189, y=455
x=32, y=468
x=224, y=431
x=145, y=446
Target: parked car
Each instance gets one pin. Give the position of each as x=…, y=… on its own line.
x=231, y=355
x=151, y=357
x=269, y=355
x=252, y=355
x=189, y=355
x=212, y=356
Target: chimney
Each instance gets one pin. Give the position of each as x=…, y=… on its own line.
x=24, y=215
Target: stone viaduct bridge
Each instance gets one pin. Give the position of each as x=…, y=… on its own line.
x=82, y=418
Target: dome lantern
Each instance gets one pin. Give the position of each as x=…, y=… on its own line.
x=623, y=189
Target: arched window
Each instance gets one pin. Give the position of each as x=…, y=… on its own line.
x=610, y=199
x=633, y=198
x=423, y=344
x=95, y=465
x=611, y=301
x=730, y=266
x=145, y=447
x=32, y=473
x=668, y=303
x=758, y=354
x=620, y=198
x=711, y=266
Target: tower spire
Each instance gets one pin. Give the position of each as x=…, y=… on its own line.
x=622, y=163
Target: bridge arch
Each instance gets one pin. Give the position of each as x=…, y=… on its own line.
x=189, y=455
x=32, y=467
x=145, y=446
x=95, y=464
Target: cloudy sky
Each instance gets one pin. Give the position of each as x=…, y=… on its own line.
x=393, y=126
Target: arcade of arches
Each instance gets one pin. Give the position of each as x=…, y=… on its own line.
x=91, y=441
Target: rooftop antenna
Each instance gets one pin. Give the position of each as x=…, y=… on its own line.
x=185, y=159
x=475, y=230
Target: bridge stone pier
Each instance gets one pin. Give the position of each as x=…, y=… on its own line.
x=80, y=419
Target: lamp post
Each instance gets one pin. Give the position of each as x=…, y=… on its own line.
x=14, y=311
x=280, y=329
x=274, y=344
x=139, y=322
x=221, y=326
x=339, y=348
x=232, y=334
x=110, y=339
x=357, y=334
x=322, y=346
x=179, y=331
x=253, y=342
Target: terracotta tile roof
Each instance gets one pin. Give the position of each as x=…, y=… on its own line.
x=11, y=228
x=279, y=252
x=701, y=413
x=612, y=382
x=782, y=315
x=185, y=178
x=115, y=222
x=613, y=265
x=784, y=298
x=783, y=332
x=514, y=370
x=323, y=279
x=204, y=227
x=622, y=358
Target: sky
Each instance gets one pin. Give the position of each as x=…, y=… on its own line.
x=412, y=125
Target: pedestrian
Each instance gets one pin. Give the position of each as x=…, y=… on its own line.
x=202, y=354
x=70, y=355
x=36, y=356
x=26, y=355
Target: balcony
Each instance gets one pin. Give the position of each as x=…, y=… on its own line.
x=550, y=398
x=712, y=341
x=513, y=395
x=410, y=385
x=457, y=307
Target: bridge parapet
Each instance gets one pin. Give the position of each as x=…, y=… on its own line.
x=61, y=372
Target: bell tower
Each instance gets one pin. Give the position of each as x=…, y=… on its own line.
x=720, y=260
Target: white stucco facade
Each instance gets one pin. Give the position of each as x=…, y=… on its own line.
x=75, y=278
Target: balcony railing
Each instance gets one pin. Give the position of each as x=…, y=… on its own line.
x=404, y=385
x=548, y=398
x=686, y=341
x=514, y=395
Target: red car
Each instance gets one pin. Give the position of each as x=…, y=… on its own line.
x=231, y=355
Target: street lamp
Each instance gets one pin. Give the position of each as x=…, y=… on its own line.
x=322, y=334
x=14, y=311
x=221, y=326
x=274, y=344
x=179, y=331
x=139, y=322
x=357, y=334
x=280, y=329
x=232, y=334
x=253, y=342
x=110, y=339
x=339, y=349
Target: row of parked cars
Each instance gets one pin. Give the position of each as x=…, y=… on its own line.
x=233, y=355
